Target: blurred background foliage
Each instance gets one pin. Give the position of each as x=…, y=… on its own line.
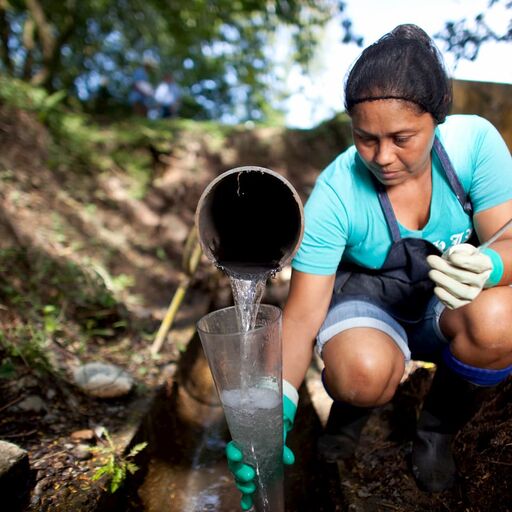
x=464, y=37
x=220, y=52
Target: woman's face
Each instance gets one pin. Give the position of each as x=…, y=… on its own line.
x=393, y=139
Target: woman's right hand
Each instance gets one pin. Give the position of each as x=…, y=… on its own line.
x=245, y=474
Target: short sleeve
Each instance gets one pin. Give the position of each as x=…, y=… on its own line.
x=325, y=232
x=491, y=183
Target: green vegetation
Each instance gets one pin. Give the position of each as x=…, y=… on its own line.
x=72, y=134
x=221, y=52
x=26, y=343
x=218, y=51
x=54, y=301
x=81, y=145
x=115, y=466
x=39, y=281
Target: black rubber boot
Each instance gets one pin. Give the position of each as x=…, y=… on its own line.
x=342, y=432
x=448, y=405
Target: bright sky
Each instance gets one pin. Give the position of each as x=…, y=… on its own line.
x=319, y=95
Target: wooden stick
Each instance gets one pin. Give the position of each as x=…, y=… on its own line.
x=191, y=258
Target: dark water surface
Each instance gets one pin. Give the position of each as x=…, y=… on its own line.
x=187, y=434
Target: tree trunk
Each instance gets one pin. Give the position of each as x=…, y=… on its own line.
x=28, y=43
x=51, y=43
x=45, y=34
x=54, y=64
x=5, y=31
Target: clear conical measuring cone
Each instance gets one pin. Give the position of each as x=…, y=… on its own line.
x=246, y=368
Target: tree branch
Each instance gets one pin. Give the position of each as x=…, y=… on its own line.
x=54, y=63
x=44, y=29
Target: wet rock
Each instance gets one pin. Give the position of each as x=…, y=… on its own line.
x=27, y=382
x=83, y=435
x=103, y=380
x=50, y=418
x=16, y=478
x=100, y=431
x=32, y=403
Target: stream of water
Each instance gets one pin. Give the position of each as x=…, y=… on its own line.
x=247, y=295
x=253, y=413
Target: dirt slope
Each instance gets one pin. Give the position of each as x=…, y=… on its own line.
x=91, y=250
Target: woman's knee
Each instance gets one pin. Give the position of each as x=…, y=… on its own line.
x=483, y=327
x=364, y=377
x=360, y=385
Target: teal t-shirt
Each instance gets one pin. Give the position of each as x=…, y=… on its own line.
x=344, y=219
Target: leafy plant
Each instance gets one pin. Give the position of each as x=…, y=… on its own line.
x=7, y=369
x=28, y=344
x=122, y=282
x=116, y=466
x=50, y=319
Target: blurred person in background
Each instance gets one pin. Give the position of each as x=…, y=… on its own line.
x=167, y=97
x=141, y=93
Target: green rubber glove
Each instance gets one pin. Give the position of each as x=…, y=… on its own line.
x=245, y=474
x=290, y=401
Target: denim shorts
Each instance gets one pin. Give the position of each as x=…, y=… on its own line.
x=422, y=340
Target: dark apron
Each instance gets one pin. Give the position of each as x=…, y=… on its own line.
x=401, y=286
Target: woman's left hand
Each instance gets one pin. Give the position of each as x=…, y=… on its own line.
x=459, y=275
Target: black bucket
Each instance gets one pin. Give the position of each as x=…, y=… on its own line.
x=250, y=221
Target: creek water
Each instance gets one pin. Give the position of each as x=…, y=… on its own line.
x=187, y=433
x=186, y=469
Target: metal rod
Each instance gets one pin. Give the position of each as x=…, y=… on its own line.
x=496, y=235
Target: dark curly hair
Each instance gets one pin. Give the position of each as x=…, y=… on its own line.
x=406, y=65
